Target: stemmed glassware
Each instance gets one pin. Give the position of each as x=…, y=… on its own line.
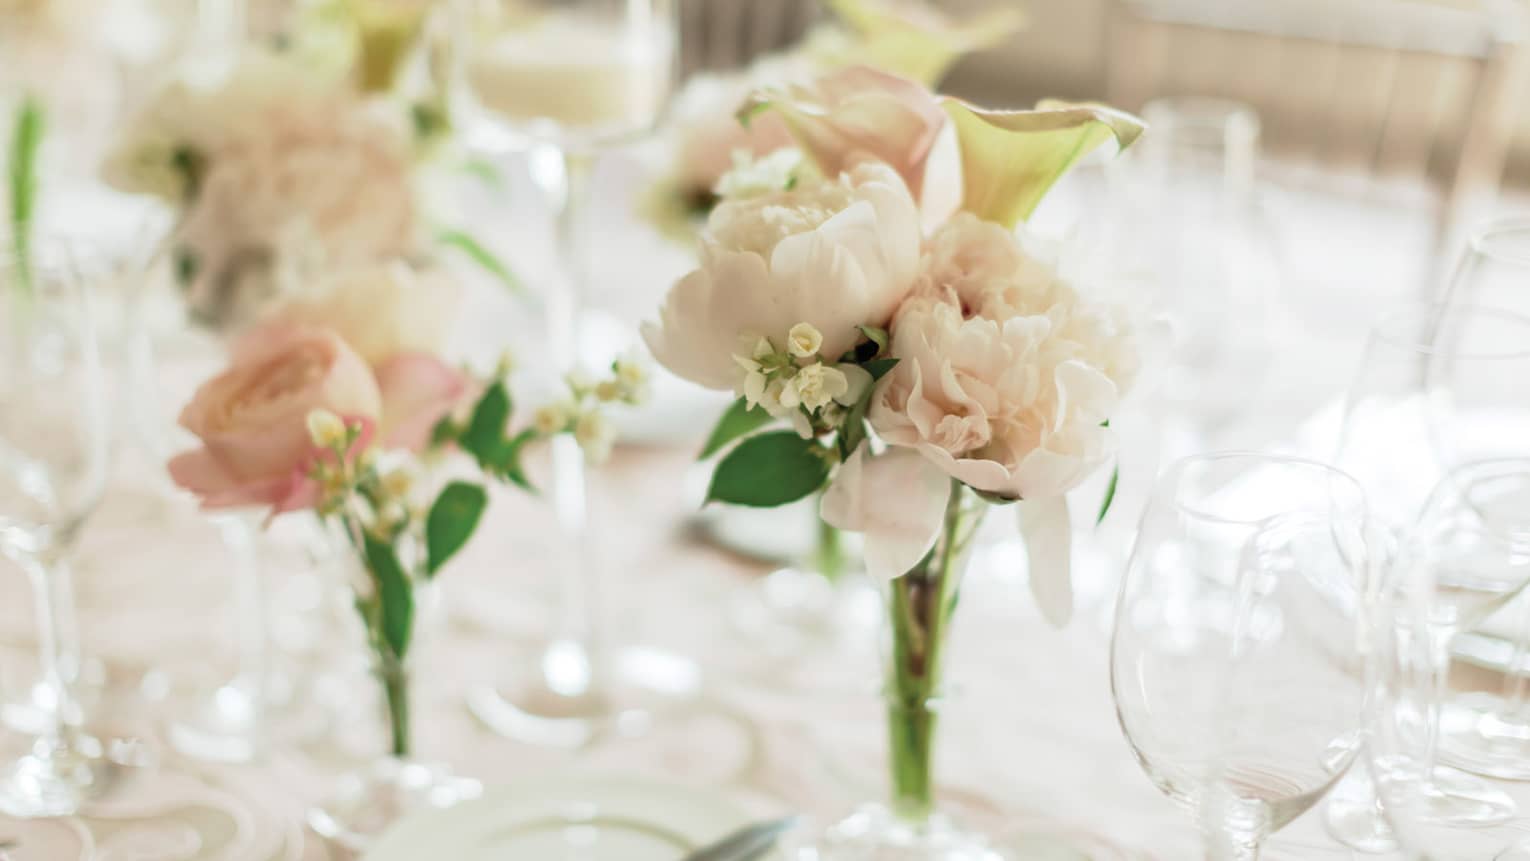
x=1238, y=657
x=1209, y=257
x=564, y=79
x=53, y=471
x=1467, y=552
x=1439, y=386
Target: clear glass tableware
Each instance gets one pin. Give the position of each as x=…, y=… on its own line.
x=1210, y=258
x=1416, y=684
x=53, y=470
x=1435, y=383
x=1238, y=657
x=564, y=80
x=1495, y=269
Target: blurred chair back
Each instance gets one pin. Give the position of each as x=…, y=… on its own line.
x=1363, y=93
x=723, y=35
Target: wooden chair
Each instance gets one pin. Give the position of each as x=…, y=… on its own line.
x=723, y=35
x=1363, y=93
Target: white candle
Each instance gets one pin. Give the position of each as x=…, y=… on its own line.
x=575, y=71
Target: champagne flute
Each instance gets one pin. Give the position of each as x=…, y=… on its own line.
x=565, y=79
x=53, y=470
x=1470, y=548
x=1237, y=660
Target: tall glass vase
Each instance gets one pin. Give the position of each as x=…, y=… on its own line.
x=395, y=782
x=920, y=605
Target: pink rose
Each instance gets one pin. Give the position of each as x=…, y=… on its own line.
x=859, y=113
x=252, y=418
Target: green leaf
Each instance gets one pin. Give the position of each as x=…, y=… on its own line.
x=395, y=593
x=26, y=140
x=509, y=466
x=445, y=431
x=1011, y=158
x=770, y=469
x=486, y=172
x=451, y=522
x=478, y=253
x=738, y=421
x=1110, y=495
x=853, y=431
x=484, y=437
x=878, y=368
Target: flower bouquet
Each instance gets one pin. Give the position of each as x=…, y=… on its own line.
x=336, y=407
x=928, y=363
x=279, y=175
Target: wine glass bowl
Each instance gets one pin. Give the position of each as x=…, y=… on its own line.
x=1236, y=662
x=53, y=471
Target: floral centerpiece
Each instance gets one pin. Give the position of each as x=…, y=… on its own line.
x=279, y=174
x=337, y=405
x=928, y=361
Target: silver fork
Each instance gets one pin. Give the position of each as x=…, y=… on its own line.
x=746, y=844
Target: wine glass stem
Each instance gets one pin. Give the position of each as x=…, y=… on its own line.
x=51, y=592
x=251, y=639
x=573, y=666
x=1513, y=707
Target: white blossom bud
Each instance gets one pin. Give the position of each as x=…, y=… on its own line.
x=804, y=340
x=326, y=429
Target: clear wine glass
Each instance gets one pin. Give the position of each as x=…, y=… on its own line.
x=1237, y=661
x=1468, y=553
x=53, y=470
x=564, y=80
x=1433, y=385
x=1209, y=257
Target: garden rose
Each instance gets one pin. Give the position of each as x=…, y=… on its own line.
x=395, y=318
x=252, y=419
x=836, y=253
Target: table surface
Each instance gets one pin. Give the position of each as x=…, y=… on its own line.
x=1031, y=734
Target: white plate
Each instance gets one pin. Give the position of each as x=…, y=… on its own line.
x=567, y=818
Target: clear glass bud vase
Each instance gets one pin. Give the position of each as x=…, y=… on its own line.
x=921, y=605
x=395, y=782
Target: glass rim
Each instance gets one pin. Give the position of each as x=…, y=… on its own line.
x=1383, y=329
x=1177, y=470
x=1485, y=236
x=1203, y=113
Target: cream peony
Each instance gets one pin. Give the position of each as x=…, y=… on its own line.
x=1006, y=374
x=836, y=254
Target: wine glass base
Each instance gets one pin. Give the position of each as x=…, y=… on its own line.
x=875, y=833
x=793, y=609
x=1475, y=739
x=55, y=783
x=367, y=802
x=226, y=727
x=35, y=711
x=565, y=705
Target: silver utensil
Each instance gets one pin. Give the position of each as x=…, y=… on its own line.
x=746, y=844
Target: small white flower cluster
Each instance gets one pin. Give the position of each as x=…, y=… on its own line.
x=582, y=414
x=796, y=383
x=384, y=481
x=752, y=177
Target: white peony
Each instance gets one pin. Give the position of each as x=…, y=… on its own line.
x=835, y=254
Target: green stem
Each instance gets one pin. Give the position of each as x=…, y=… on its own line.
x=395, y=681
x=829, y=557
x=921, y=606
